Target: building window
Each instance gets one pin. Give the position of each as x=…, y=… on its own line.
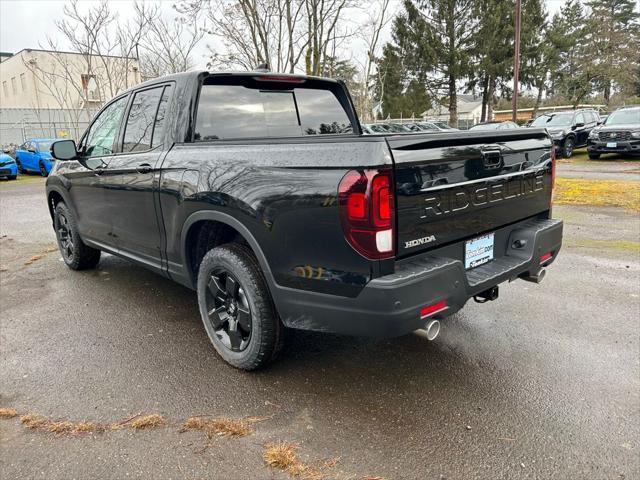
x=5, y=89
x=23, y=82
x=14, y=85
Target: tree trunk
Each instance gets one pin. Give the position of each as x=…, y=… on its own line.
x=453, y=102
x=534, y=114
x=490, y=94
x=607, y=91
x=485, y=85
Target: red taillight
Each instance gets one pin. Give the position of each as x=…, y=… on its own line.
x=433, y=308
x=545, y=257
x=279, y=78
x=367, y=212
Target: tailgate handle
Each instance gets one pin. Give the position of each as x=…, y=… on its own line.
x=492, y=159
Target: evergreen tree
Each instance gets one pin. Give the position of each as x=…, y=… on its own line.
x=614, y=33
x=435, y=39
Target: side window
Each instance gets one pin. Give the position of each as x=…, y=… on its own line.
x=141, y=120
x=158, y=129
x=104, y=130
x=580, y=118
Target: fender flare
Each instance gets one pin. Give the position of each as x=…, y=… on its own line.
x=231, y=221
x=64, y=193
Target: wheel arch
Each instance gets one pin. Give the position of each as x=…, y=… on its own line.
x=225, y=219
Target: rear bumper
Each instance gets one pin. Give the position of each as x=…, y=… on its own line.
x=390, y=306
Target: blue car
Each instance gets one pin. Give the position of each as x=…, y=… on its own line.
x=34, y=156
x=8, y=167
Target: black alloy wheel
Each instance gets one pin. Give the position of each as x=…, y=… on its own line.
x=65, y=236
x=228, y=310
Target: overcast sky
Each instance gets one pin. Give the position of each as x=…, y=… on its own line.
x=26, y=23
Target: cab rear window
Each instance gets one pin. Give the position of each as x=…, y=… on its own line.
x=248, y=108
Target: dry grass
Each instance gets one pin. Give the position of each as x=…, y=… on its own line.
x=283, y=456
x=148, y=421
x=37, y=257
x=576, y=191
x=62, y=427
x=222, y=426
x=8, y=412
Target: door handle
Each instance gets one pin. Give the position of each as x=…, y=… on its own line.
x=143, y=168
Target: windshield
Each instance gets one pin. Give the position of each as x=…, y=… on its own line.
x=443, y=125
x=622, y=117
x=486, y=126
x=428, y=126
x=553, y=120
x=44, y=146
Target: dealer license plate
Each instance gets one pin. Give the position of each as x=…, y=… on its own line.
x=612, y=144
x=478, y=251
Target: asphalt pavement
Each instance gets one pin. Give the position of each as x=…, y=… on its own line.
x=542, y=383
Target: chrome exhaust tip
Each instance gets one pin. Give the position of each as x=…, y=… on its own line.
x=432, y=329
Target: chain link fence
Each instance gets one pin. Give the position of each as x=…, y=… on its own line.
x=20, y=124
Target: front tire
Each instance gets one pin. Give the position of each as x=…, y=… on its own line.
x=237, y=309
x=75, y=253
x=569, y=146
x=594, y=156
x=12, y=177
x=43, y=170
x=20, y=167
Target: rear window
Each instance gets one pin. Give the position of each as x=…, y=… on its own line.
x=269, y=110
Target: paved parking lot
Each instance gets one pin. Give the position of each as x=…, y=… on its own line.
x=543, y=383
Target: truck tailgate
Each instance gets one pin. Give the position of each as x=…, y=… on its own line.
x=456, y=186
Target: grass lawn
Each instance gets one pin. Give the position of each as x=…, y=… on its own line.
x=24, y=178
x=577, y=191
x=580, y=155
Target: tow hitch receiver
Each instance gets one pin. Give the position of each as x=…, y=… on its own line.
x=487, y=295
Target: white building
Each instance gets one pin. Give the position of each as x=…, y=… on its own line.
x=42, y=79
x=469, y=111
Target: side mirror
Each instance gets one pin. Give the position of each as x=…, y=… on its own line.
x=599, y=122
x=64, y=150
x=32, y=150
x=578, y=125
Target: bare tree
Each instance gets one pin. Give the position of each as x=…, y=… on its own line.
x=281, y=33
x=167, y=45
x=378, y=17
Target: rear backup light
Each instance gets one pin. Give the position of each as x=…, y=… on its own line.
x=433, y=308
x=545, y=257
x=367, y=212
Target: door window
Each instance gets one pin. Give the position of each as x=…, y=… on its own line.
x=138, y=131
x=580, y=119
x=104, y=130
x=158, y=129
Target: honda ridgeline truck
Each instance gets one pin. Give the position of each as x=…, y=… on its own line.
x=260, y=192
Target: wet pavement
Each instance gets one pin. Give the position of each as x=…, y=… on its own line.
x=542, y=383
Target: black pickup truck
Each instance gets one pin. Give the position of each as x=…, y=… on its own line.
x=260, y=192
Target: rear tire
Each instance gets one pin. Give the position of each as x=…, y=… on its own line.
x=75, y=253
x=20, y=167
x=236, y=308
x=594, y=156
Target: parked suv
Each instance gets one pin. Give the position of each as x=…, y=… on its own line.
x=569, y=129
x=620, y=133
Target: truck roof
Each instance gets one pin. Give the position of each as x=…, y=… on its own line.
x=193, y=74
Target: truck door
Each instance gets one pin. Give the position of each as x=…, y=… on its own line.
x=129, y=179
x=97, y=149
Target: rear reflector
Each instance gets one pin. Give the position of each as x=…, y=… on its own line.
x=545, y=257
x=433, y=308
